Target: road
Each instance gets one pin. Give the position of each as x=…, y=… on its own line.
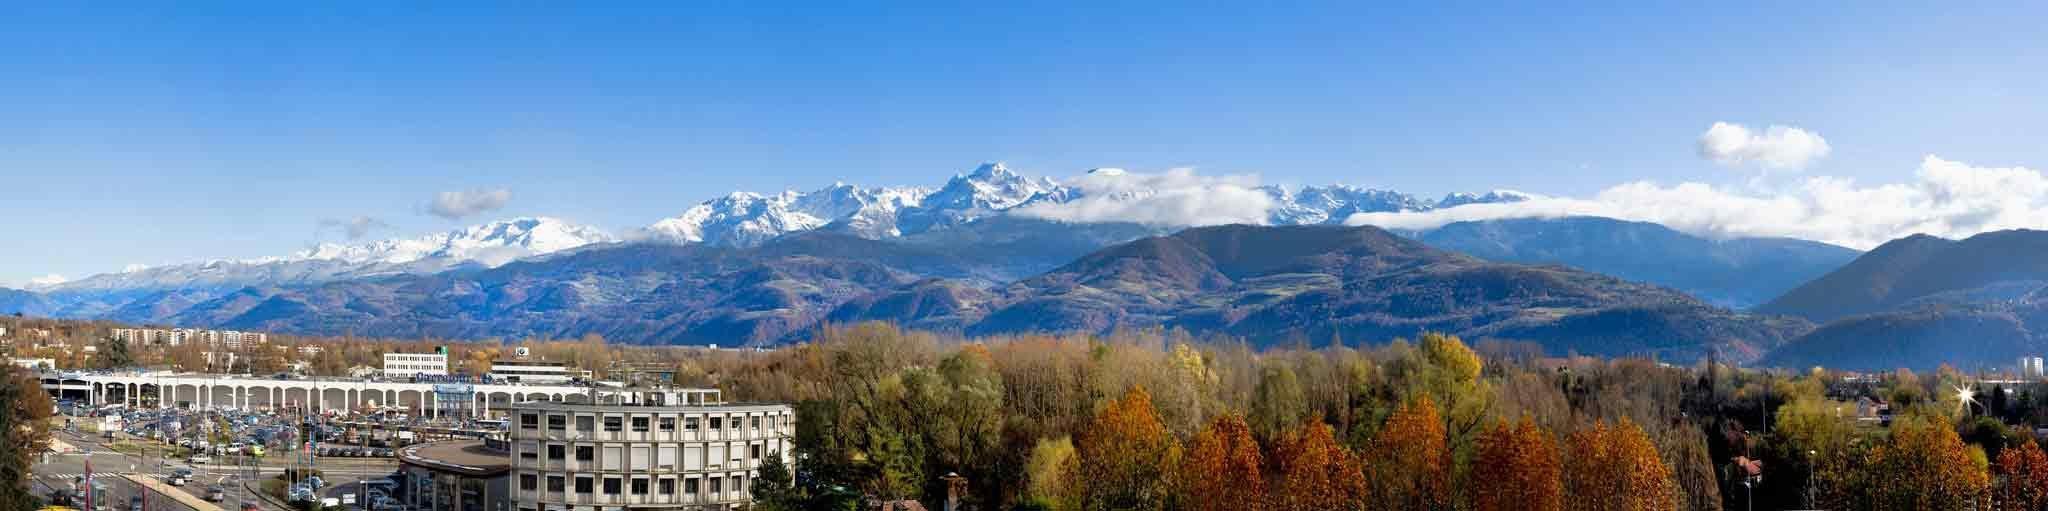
x=108, y=465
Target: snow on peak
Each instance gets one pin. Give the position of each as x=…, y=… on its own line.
x=1492, y=197
x=490, y=244
x=746, y=219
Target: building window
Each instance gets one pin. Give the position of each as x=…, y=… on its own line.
x=529, y=454
x=586, y=453
x=554, y=452
x=690, y=486
x=529, y=421
x=528, y=482
x=611, y=486
x=714, y=485
x=754, y=422
x=690, y=424
x=613, y=422
x=717, y=423
x=582, y=484
x=586, y=423
x=639, y=424
x=555, y=484
x=557, y=422
x=754, y=451
x=667, y=486
x=639, y=486
x=668, y=423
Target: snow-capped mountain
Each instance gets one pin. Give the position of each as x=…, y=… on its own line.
x=747, y=219
x=744, y=219
x=488, y=245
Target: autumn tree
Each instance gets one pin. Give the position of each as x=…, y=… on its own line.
x=1517, y=468
x=1616, y=468
x=1223, y=469
x=1049, y=475
x=24, y=416
x=1409, y=463
x=1126, y=456
x=1925, y=465
x=2022, y=475
x=1316, y=474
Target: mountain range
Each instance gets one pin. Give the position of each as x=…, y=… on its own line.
x=977, y=256
x=1921, y=301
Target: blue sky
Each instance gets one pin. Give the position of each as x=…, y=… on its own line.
x=137, y=135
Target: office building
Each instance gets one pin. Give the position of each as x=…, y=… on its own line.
x=530, y=371
x=407, y=365
x=643, y=450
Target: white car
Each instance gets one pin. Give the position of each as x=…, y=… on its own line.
x=200, y=459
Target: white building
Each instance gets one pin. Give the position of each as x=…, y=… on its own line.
x=407, y=365
x=644, y=450
x=2030, y=367
x=34, y=363
x=528, y=371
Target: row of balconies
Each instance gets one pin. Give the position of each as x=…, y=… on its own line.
x=653, y=433
x=733, y=491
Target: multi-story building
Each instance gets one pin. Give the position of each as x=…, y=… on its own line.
x=407, y=365
x=643, y=450
x=229, y=339
x=531, y=371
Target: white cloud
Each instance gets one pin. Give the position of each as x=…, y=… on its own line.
x=46, y=281
x=455, y=205
x=1176, y=197
x=355, y=228
x=1778, y=147
x=1945, y=198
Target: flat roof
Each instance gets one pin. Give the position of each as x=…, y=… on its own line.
x=548, y=406
x=468, y=457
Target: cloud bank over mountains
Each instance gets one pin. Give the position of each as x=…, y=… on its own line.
x=1177, y=197
x=1945, y=198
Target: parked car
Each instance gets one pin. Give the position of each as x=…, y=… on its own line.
x=200, y=459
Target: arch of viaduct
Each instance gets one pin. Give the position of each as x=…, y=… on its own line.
x=206, y=392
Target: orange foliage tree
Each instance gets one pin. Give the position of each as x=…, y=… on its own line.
x=1223, y=469
x=1126, y=456
x=1616, y=469
x=1517, y=468
x=1316, y=473
x=2022, y=477
x=1409, y=460
x=1924, y=466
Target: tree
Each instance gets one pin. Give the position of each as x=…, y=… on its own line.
x=1126, y=456
x=1049, y=475
x=2022, y=473
x=773, y=487
x=1223, y=469
x=1316, y=474
x=113, y=353
x=1278, y=403
x=1409, y=462
x=1517, y=468
x=1924, y=466
x=1616, y=468
x=24, y=416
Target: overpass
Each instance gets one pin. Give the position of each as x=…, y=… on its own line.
x=201, y=391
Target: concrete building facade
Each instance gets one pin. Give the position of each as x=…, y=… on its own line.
x=645, y=450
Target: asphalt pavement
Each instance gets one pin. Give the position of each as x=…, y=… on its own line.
x=59, y=472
